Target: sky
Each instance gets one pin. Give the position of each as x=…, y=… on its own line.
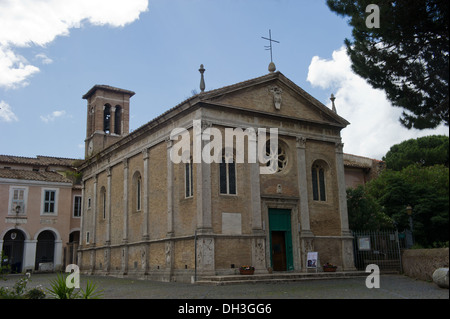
x=53, y=51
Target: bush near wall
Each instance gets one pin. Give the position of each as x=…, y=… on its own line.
x=421, y=263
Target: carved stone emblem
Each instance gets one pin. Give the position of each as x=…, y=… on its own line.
x=277, y=99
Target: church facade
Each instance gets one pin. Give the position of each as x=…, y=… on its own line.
x=148, y=216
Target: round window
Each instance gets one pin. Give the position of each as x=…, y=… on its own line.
x=281, y=157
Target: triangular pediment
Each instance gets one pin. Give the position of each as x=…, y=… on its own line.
x=274, y=94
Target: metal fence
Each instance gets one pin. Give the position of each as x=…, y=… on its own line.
x=382, y=248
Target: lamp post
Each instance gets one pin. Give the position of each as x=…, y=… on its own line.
x=409, y=211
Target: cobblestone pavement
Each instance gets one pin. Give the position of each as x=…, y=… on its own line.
x=391, y=287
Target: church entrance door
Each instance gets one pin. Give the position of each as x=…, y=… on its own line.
x=280, y=239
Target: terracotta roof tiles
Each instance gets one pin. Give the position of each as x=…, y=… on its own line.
x=33, y=175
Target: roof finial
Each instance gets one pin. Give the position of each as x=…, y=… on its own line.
x=272, y=68
x=202, y=79
x=333, y=107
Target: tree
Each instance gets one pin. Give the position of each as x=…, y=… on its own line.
x=364, y=213
x=426, y=189
x=407, y=56
x=424, y=151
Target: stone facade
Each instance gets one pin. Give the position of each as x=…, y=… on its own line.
x=139, y=217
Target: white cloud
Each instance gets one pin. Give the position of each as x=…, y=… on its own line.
x=39, y=22
x=14, y=69
x=375, y=125
x=52, y=116
x=6, y=114
x=43, y=58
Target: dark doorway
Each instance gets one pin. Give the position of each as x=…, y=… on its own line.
x=45, y=248
x=280, y=239
x=72, y=248
x=279, y=250
x=13, y=244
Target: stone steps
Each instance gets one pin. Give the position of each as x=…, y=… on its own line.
x=276, y=277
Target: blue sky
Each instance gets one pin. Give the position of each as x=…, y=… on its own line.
x=54, y=51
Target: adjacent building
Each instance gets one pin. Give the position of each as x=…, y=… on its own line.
x=360, y=170
x=40, y=211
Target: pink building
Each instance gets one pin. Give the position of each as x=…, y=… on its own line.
x=40, y=211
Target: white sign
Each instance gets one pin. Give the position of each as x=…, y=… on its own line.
x=311, y=261
x=364, y=243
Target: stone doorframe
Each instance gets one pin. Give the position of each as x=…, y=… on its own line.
x=289, y=203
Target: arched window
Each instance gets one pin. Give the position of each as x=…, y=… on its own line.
x=189, y=180
x=227, y=173
x=118, y=120
x=102, y=202
x=137, y=192
x=107, y=118
x=319, y=181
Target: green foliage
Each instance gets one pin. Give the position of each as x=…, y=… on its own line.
x=35, y=293
x=426, y=189
x=417, y=174
x=59, y=289
x=91, y=291
x=18, y=291
x=74, y=176
x=407, y=56
x=424, y=151
x=364, y=213
x=4, y=267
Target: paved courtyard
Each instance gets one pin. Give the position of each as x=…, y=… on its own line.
x=391, y=287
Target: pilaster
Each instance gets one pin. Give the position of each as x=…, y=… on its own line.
x=306, y=235
x=170, y=228
x=94, y=212
x=347, y=238
x=125, y=201
x=255, y=189
x=203, y=185
x=345, y=231
x=108, y=207
x=302, y=172
x=107, y=252
x=145, y=181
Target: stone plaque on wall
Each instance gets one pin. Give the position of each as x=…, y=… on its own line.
x=231, y=224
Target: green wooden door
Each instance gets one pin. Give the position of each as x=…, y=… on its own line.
x=280, y=239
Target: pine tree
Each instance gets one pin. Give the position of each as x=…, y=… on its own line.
x=407, y=56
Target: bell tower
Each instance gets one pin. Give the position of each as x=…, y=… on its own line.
x=108, y=117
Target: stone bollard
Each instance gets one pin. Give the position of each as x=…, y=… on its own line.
x=440, y=277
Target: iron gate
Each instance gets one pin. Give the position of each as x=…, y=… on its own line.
x=381, y=248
